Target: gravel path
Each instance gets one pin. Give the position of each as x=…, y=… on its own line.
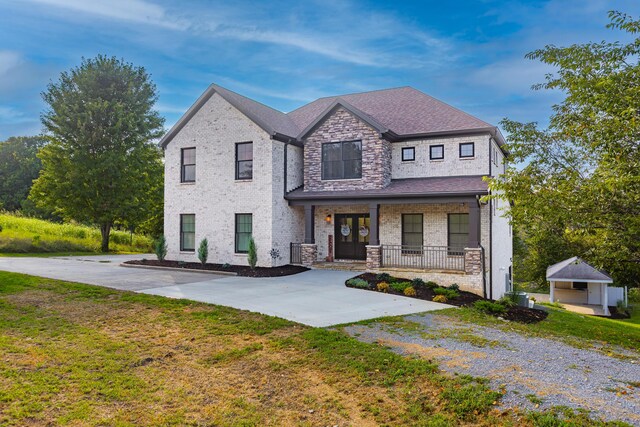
x=536, y=373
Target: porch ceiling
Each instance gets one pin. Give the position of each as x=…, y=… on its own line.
x=410, y=188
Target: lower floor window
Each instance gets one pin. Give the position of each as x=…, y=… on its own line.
x=458, y=232
x=187, y=232
x=412, y=237
x=244, y=227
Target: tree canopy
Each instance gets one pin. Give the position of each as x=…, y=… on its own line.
x=19, y=166
x=101, y=165
x=579, y=191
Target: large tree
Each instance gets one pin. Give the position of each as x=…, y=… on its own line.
x=19, y=166
x=579, y=191
x=101, y=165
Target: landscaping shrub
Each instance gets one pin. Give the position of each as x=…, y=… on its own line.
x=489, y=307
x=417, y=282
x=449, y=293
x=160, y=248
x=506, y=302
x=634, y=295
x=383, y=287
x=440, y=298
x=410, y=291
x=384, y=277
x=399, y=286
x=203, y=251
x=454, y=287
x=431, y=285
x=252, y=255
x=358, y=283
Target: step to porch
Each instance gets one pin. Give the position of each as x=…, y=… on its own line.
x=341, y=265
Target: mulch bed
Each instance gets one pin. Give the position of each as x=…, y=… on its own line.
x=617, y=314
x=240, y=270
x=465, y=299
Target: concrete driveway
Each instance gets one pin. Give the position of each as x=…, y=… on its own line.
x=315, y=298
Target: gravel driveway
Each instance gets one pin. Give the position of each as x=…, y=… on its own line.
x=535, y=373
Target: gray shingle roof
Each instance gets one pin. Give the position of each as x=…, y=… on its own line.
x=403, y=111
x=576, y=269
x=409, y=187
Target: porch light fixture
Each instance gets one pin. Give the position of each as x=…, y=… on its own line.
x=328, y=219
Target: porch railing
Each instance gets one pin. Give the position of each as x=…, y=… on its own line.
x=423, y=257
x=295, y=251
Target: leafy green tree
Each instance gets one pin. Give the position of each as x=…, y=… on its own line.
x=101, y=165
x=580, y=187
x=19, y=166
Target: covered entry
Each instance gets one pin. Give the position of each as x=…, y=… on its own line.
x=352, y=236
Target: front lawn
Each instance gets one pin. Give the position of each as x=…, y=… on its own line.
x=85, y=355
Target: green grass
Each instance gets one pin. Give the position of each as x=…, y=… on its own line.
x=575, y=329
x=84, y=355
x=22, y=235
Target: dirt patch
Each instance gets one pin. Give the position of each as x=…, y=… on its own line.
x=240, y=270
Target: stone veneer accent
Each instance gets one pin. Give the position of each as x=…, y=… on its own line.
x=344, y=126
x=473, y=261
x=374, y=256
x=309, y=253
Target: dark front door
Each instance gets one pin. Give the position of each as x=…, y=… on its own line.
x=351, y=236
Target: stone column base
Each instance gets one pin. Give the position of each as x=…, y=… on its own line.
x=473, y=261
x=374, y=257
x=309, y=253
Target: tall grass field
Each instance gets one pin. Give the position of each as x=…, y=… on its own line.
x=28, y=235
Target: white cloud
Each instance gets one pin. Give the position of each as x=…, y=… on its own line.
x=138, y=11
x=8, y=61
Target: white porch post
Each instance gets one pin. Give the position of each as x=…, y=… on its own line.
x=552, y=285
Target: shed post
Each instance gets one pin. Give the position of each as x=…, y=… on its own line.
x=605, y=299
x=552, y=284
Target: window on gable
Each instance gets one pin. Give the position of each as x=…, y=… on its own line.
x=458, y=233
x=436, y=152
x=188, y=232
x=342, y=160
x=188, y=165
x=244, y=160
x=467, y=149
x=408, y=154
x=244, y=228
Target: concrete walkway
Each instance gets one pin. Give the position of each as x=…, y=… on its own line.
x=315, y=298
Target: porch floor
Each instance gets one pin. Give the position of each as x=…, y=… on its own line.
x=592, y=310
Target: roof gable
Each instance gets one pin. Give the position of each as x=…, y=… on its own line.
x=576, y=269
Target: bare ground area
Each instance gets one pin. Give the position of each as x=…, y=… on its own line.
x=533, y=372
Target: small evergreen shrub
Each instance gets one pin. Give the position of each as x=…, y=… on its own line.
x=454, y=287
x=431, y=284
x=203, y=251
x=383, y=287
x=399, y=286
x=409, y=291
x=449, y=293
x=226, y=266
x=417, y=282
x=489, y=307
x=506, y=302
x=160, y=248
x=385, y=277
x=252, y=256
x=440, y=298
x=358, y=283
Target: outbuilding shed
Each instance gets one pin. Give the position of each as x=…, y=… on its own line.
x=575, y=282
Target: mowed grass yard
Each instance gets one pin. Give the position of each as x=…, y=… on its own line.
x=75, y=354
x=21, y=235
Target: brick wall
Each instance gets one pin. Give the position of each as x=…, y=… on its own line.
x=344, y=126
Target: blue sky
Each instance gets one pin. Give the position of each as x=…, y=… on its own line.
x=284, y=54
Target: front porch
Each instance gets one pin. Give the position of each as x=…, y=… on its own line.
x=434, y=238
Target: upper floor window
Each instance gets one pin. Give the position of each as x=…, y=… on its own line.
x=342, y=160
x=244, y=228
x=436, y=152
x=187, y=232
x=467, y=149
x=188, y=165
x=408, y=154
x=244, y=160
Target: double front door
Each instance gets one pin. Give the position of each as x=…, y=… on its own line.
x=351, y=236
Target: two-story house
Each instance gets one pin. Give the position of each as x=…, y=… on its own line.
x=391, y=179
